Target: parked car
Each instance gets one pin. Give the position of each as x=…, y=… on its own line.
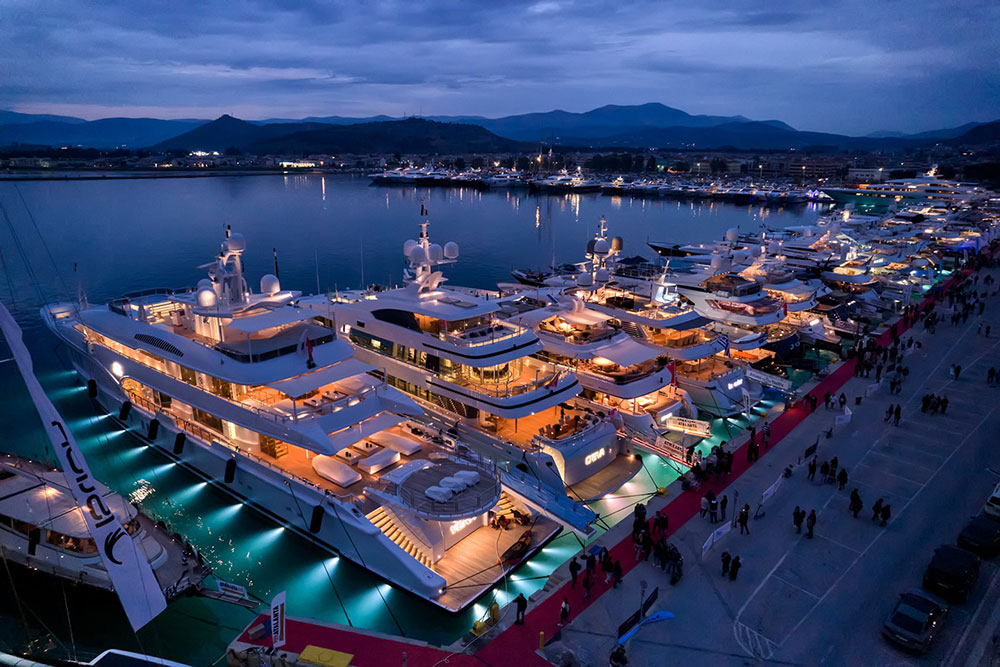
x=981, y=536
x=952, y=573
x=915, y=621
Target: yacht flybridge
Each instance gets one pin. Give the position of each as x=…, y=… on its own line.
x=449, y=348
x=260, y=397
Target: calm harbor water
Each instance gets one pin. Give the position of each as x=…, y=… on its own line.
x=114, y=236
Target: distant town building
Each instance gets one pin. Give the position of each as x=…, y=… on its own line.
x=867, y=174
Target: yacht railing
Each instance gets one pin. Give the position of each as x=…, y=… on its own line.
x=208, y=436
x=482, y=335
x=508, y=389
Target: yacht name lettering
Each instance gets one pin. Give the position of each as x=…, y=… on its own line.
x=595, y=456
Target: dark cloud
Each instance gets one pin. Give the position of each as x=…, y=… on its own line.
x=839, y=65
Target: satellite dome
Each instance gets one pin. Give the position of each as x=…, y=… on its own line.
x=601, y=247
x=417, y=255
x=716, y=262
x=617, y=243
x=756, y=251
x=206, y=298
x=236, y=242
x=603, y=275
x=269, y=284
x=732, y=234
x=585, y=280
x=408, y=246
x=773, y=248
x=435, y=252
x=451, y=250
x=205, y=283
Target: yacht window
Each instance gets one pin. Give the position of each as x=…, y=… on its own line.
x=207, y=419
x=23, y=526
x=189, y=376
x=401, y=318
x=6, y=474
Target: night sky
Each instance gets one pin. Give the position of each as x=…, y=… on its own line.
x=841, y=66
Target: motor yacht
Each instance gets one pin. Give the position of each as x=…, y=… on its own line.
x=618, y=373
x=261, y=398
x=450, y=349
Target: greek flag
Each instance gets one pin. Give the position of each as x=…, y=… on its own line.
x=725, y=344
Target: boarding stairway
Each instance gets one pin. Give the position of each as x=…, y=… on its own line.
x=633, y=330
x=384, y=521
x=664, y=447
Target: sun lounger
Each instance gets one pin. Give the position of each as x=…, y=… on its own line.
x=378, y=461
x=339, y=473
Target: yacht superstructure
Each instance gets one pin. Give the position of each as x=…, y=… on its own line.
x=260, y=397
x=449, y=348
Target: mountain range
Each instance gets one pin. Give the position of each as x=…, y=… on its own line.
x=612, y=126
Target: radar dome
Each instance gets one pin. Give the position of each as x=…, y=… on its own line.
x=603, y=275
x=732, y=234
x=205, y=283
x=435, y=252
x=601, y=247
x=236, y=242
x=408, y=246
x=585, y=280
x=617, y=243
x=716, y=262
x=756, y=250
x=417, y=255
x=269, y=284
x=773, y=248
x=206, y=298
x=451, y=250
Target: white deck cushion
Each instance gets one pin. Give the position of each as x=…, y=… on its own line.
x=453, y=483
x=437, y=493
x=376, y=462
x=339, y=473
x=470, y=477
x=397, y=442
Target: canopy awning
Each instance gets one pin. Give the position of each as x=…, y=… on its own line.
x=303, y=384
x=273, y=318
x=627, y=352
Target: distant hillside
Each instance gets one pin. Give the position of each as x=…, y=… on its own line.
x=104, y=133
x=413, y=135
x=984, y=133
x=15, y=118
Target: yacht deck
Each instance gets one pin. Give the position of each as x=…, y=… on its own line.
x=473, y=566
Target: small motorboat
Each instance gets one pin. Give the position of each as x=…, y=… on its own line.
x=517, y=551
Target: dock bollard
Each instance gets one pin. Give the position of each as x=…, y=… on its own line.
x=541, y=640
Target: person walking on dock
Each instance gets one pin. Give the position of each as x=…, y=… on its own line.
x=811, y=523
x=574, y=570
x=734, y=568
x=744, y=520
x=722, y=507
x=842, y=401
x=886, y=513
x=617, y=574
x=812, y=469
x=587, y=584
x=888, y=413
x=767, y=434
x=564, y=612
x=842, y=478
x=726, y=560
x=855, y=505
x=798, y=515
x=944, y=404
x=521, y=603
x=895, y=416
x=877, y=509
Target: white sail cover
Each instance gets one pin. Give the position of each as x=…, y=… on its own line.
x=123, y=557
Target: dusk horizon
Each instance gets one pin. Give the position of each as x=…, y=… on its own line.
x=832, y=69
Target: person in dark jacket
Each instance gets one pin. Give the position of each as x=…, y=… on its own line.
x=798, y=515
x=811, y=523
x=574, y=570
x=877, y=509
x=886, y=513
x=521, y=603
x=734, y=568
x=842, y=478
x=744, y=520
x=855, y=505
x=617, y=574
x=726, y=560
